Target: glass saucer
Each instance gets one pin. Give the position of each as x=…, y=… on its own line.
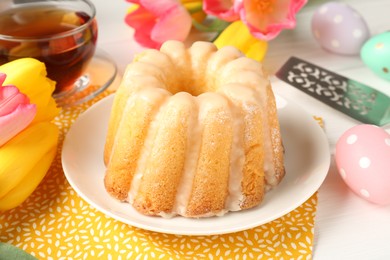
x=99, y=75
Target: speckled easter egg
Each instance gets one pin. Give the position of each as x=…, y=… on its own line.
x=363, y=161
x=376, y=54
x=338, y=28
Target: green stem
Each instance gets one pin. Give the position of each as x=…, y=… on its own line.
x=216, y=25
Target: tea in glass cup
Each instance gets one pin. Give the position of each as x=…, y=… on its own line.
x=60, y=33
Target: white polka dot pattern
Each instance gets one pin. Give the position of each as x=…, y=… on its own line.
x=55, y=223
x=357, y=33
x=364, y=162
x=351, y=139
x=365, y=193
x=338, y=19
x=323, y=10
x=343, y=173
x=335, y=43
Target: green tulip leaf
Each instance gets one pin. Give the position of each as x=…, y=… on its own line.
x=8, y=251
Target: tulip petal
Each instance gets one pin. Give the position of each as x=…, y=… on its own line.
x=10, y=98
x=257, y=50
x=145, y=40
x=14, y=122
x=169, y=28
x=161, y=7
x=143, y=22
x=140, y=19
x=155, y=22
x=2, y=78
x=223, y=9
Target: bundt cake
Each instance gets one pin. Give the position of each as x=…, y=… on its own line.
x=193, y=132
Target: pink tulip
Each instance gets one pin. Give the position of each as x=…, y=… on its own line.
x=155, y=22
x=264, y=18
x=16, y=112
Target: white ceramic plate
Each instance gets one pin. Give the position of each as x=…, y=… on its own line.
x=307, y=162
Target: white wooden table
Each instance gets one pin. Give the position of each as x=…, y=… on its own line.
x=347, y=227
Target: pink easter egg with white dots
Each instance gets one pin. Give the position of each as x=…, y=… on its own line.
x=339, y=28
x=363, y=161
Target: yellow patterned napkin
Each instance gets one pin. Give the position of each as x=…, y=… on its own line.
x=55, y=223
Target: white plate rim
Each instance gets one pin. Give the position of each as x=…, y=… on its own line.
x=237, y=221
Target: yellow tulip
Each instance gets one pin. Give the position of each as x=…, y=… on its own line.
x=29, y=76
x=238, y=35
x=27, y=156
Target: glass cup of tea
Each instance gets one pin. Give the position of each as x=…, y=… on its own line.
x=63, y=35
